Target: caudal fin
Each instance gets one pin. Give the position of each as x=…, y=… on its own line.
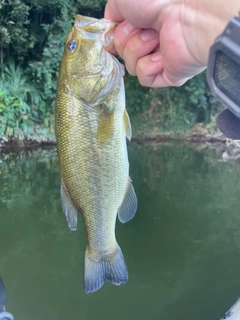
x=99, y=269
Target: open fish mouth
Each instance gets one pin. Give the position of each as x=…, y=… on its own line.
x=97, y=30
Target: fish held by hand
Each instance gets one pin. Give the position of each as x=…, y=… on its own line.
x=92, y=125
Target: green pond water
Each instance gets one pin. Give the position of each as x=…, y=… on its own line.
x=182, y=248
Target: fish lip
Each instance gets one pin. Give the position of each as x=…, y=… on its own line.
x=82, y=21
x=104, y=34
x=106, y=38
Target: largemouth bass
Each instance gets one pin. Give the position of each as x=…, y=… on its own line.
x=91, y=129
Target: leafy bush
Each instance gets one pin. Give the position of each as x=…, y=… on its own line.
x=12, y=112
x=171, y=109
x=14, y=32
x=19, y=84
x=136, y=96
x=21, y=105
x=174, y=107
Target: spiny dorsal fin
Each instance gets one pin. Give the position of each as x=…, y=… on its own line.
x=127, y=125
x=69, y=209
x=128, y=207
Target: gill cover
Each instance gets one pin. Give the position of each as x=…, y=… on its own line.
x=90, y=71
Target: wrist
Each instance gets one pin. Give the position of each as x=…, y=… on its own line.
x=204, y=20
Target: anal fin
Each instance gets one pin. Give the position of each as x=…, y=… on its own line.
x=69, y=209
x=128, y=207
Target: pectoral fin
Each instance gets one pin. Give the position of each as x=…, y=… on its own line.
x=69, y=209
x=105, y=126
x=128, y=207
x=127, y=125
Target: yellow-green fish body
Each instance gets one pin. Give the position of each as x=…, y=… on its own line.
x=91, y=129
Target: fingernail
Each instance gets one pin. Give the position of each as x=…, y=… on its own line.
x=156, y=57
x=128, y=28
x=149, y=34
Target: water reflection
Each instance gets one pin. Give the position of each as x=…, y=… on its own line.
x=182, y=247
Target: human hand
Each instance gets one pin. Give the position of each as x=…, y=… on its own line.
x=164, y=43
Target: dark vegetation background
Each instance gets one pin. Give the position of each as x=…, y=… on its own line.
x=32, y=35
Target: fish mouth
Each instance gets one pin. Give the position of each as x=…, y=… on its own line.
x=97, y=30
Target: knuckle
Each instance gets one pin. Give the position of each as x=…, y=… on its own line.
x=145, y=82
x=132, y=46
x=141, y=74
x=131, y=70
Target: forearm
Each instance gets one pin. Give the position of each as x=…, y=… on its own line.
x=204, y=20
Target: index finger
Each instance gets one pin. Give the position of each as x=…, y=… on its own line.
x=112, y=11
x=137, y=13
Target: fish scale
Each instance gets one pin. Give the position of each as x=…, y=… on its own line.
x=91, y=129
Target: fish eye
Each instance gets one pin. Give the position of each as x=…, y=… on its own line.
x=72, y=45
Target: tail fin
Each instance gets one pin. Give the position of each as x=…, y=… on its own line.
x=99, y=269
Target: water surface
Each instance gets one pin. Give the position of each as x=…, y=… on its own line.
x=182, y=248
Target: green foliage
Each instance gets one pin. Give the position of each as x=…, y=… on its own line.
x=171, y=109
x=200, y=99
x=45, y=71
x=136, y=95
x=178, y=108
x=19, y=84
x=12, y=112
x=21, y=106
x=14, y=34
x=91, y=7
